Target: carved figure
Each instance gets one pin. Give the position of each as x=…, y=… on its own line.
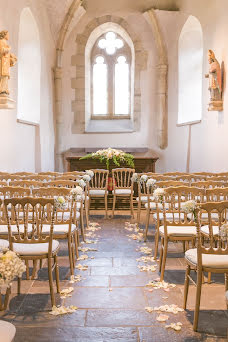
x=7, y=60
x=215, y=83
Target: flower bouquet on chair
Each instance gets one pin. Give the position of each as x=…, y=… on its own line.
x=110, y=154
x=11, y=266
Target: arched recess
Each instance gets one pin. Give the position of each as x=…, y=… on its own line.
x=190, y=71
x=29, y=69
x=81, y=82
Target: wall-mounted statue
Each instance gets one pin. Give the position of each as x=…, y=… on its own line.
x=7, y=60
x=215, y=83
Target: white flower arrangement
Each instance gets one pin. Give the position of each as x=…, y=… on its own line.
x=60, y=203
x=190, y=207
x=90, y=173
x=224, y=232
x=134, y=178
x=143, y=178
x=151, y=183
x=76, y=193
x=82, y=183
x=87, y=178
x=11, y=266
x=159, y=194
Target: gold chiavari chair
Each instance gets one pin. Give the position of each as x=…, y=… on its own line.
x=3, y=183
x=23, y=173
x=184, y=178
x=50, y=173
x=207, y=257
x=198, y=178
x=204, y=174
x=66, y=221
x=98, y=187
x=34, y=245
x=122, y=186
x=63, y=183
x=176, y=224
x=174, y=174
x=219, y=178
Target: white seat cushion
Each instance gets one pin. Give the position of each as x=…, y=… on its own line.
x=208, y=260
x=66, y=215
x=97, y=192
x=169, y=216
x=179, y=230
x=204, y=216
x=34, y=248
x=153, y=206
x=59, y=229
x=144, y=198
x=122, y=192
x=4, y=244
x=14, y=230
x=7, y=331
x=205, y=230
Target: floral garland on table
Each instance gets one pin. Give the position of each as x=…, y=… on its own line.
x=117, y=156
x=11, y=266
x=159, y=193
x=189, y=207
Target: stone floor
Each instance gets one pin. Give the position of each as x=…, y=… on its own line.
x=112, y=296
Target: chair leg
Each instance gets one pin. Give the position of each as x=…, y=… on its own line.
x=156, y=241
x=76, y=244
x=226, y=286
x=186, y=285
x=209, y=277
x=161, y=254
x=70, y=255
x=50, y=277
x=113, y=205
x=138, y=212
x=34, y=269
x=164, y=259
x=132, y=207
x=198, y=295
x=106, y=205
x=57, y=273
x=18, y=285
x=82, y=226
x=147, y=224
x=27, y=269
x=87, y=217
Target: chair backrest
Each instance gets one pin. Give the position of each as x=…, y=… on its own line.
x=168, y=183
x=50, y=173
x=42, y=211
x=204, y=174
x=23, y=173
x=11, y=177
x=219, y=178
x=62, y=183
x=71, y=176
x=39, y=178
x=121, y=178
x=173, y=174
x=216, y=194
x=221, y=247
x=173, y=200
x=26, y=184
x=99, y=180
x=51, y=192
x=3, y=183
x=184, y=178
x=198, y=178
x=79, y=173
x=208, y=184
x=14, y=191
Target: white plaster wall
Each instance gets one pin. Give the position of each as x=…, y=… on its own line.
x=21, y=147
x=209, y=139
x=135, y=139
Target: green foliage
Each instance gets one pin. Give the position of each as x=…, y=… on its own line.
x=125, y=158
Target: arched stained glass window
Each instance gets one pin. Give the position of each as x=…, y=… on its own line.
x=111, y=78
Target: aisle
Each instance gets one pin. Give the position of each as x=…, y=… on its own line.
x=112, y=296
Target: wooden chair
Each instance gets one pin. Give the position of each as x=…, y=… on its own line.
x=31, y=184
x=122, y=186
x=209, y=184
x=152, y=207
x=34, y=245
x=39, y=178
x=207, y=258
x=63, y=183
x=174, y=174
x=143, y=192
x=23, y=173
x=204, y=174
x=219, y=178
x=66, y=222
x=176, y=225
x=98, y=187
x=50, y=173
x=3, y=183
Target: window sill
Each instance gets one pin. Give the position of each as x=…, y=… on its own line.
x=188, y=123
x=30, y=123
x=110, y=126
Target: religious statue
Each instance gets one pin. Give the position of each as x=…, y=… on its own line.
x=215, y=83
x=7, y=60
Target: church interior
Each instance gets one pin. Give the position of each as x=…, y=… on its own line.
x=113, y=180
